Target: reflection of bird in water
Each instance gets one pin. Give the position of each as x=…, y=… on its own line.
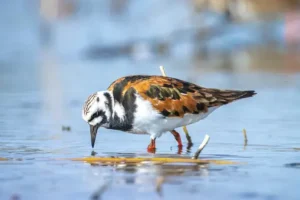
x=153, y=105
x=144, y=172
x=149, y=176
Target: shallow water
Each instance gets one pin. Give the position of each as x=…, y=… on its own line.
x=38, y=99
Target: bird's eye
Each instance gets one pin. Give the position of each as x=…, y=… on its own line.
x=98, y=99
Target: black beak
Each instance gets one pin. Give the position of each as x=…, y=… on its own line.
x=93, y=130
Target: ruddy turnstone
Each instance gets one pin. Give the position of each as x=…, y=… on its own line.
x=153, y=105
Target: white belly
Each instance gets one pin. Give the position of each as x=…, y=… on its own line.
x=147, y=120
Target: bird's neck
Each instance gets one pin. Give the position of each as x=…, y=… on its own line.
x=118, y=118
x=119, y=112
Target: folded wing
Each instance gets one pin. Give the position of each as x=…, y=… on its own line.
x=173, y=97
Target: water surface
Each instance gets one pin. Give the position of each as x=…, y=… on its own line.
x=38, y=99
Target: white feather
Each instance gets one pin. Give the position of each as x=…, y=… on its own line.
x=148, y=120
x=95, y=121
x=119, y=111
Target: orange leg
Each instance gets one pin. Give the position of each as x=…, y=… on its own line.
x=177, y=137
x=151, y=147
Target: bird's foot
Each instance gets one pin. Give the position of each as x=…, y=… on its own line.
x=151, y=147
x=151, y=150
x=179, y=149
x=177, y=138
x=189, y=145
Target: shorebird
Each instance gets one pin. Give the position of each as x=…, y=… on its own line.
x=153, y=105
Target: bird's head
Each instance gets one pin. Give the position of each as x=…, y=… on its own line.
x=97, y=111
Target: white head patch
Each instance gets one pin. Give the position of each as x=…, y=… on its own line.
x=95, y=105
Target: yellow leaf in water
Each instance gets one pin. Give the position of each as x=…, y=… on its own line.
x=155, y=160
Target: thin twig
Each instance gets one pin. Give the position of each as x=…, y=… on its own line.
x=201, y=147
x=245, y=138
x=162, y=70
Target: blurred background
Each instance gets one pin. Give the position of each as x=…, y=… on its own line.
x=74, y=47
x=54, y=53
x=191, y=30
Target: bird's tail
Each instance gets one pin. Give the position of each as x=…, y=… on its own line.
x=233, y=95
